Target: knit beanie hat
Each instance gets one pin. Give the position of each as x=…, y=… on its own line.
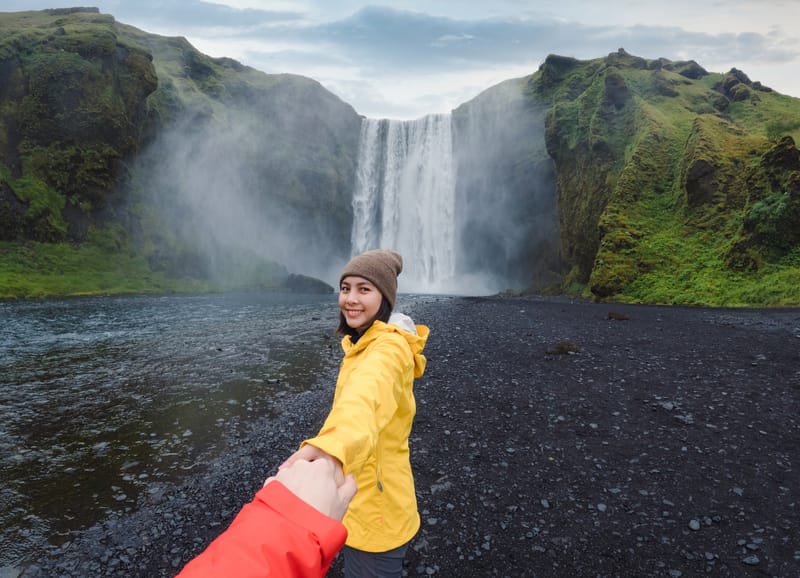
x=380, y=267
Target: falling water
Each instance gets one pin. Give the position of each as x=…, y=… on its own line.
x=405, y=197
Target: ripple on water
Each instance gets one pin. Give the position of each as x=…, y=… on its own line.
x=102, y=399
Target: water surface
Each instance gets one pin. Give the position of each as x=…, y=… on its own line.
x=103, y=397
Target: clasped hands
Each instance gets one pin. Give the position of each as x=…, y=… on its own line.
x=317, y=478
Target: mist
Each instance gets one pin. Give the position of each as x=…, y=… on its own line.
x=506, y=210
x=245, y=194
x=468, y=198
x=294, y=181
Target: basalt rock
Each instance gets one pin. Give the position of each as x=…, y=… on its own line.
x=297, y=283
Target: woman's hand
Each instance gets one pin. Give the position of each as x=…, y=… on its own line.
x=315, y=483
x=311, y=453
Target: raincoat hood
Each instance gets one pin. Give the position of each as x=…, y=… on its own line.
x=415, y=335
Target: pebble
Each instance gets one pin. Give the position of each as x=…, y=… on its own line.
x=694, y=525
x=751, y=560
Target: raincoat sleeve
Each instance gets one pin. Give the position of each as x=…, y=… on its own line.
x=275, y=535
x=366, y=403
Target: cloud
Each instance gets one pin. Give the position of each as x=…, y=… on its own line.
x=197, y=13
x=449, y=39
x=370, y=54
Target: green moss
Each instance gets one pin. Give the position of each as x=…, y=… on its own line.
x=660, y=194
x=45, y=269
x=43, y=218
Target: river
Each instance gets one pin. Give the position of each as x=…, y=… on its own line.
x=101, y=398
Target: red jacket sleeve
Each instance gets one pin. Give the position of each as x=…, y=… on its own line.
x=277, y=534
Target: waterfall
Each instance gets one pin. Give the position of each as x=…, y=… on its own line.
x=404, y=197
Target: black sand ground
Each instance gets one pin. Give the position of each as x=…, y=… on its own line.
x=552, y=439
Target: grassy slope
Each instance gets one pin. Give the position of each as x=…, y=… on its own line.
x=689, y=258
x=656, y=246
x=106, y=261
x=29, y=270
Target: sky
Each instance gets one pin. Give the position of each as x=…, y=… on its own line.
x=406, y=59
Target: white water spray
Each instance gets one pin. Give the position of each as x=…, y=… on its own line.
x=405, y=198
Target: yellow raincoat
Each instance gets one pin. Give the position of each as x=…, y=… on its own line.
x=367, y=429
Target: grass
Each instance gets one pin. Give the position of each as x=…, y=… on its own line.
x=689, y=269
x=60, y=269
x=660, y=246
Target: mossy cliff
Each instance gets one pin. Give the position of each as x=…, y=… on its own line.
x=84, y=100
x=674, y=185
x=73, y=97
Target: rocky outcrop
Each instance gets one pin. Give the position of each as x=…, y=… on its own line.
x=74, y=95
x=297, y=283
x=87, y=103
x=643, y=152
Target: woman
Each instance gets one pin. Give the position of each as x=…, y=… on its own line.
x=367, y=429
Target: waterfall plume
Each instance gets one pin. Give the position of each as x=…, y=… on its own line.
x=404, y=197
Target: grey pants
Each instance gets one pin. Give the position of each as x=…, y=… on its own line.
x=360, y=564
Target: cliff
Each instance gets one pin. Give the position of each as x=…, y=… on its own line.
x=94, y=114
x=674, y=185
x=73, y=100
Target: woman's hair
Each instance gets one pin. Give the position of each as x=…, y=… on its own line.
x=383, y=314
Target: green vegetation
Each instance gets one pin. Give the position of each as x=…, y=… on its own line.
x=71, y=100
x=82, y=97
x=51, y=269
x=690, y=180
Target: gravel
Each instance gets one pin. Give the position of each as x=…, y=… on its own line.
x=552, y=438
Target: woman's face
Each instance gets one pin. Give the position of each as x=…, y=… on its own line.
x=359, y=301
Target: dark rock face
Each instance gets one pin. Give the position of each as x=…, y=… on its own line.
x=701, y=182
x=737, y=86
x=555, y=67
x=663, y=86
x=12, y=213
x=617, y=93
x=781, y=159
x=77, y=222
x=691, y=70
x=305, y=284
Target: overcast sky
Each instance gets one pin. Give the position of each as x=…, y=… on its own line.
x=405, y=59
